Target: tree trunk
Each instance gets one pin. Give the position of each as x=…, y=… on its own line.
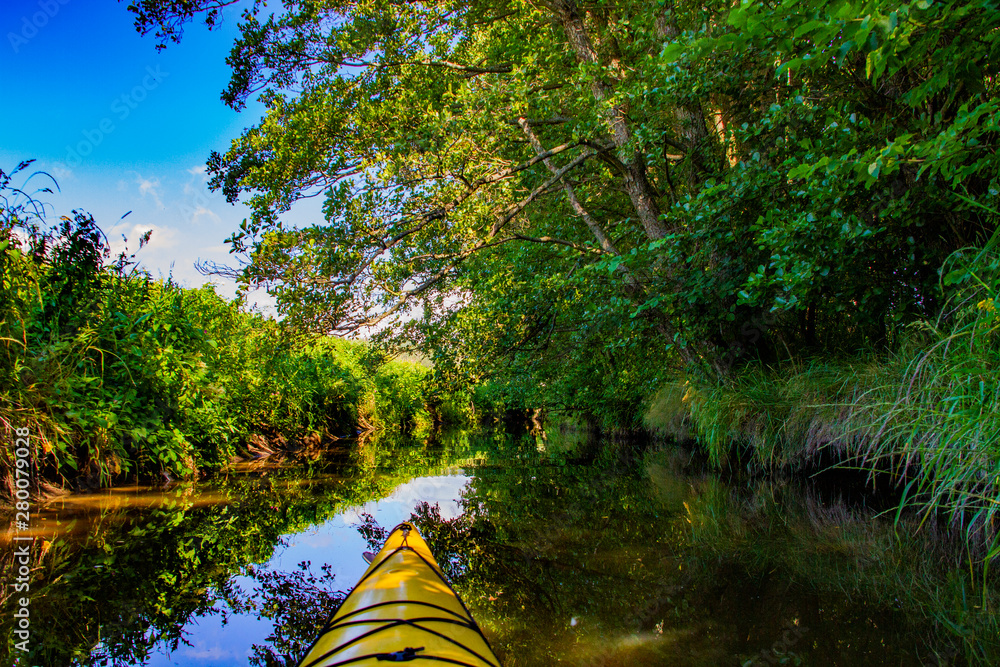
x=636, y=181
x=690, y=116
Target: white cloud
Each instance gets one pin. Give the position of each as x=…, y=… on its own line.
x=213, y=653
x=162, y=239
x=203, y=211
x=150, y=187
x=196, y=206
x=196, y=185
x=60, y=172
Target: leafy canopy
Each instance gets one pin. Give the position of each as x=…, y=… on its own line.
x=693, y=182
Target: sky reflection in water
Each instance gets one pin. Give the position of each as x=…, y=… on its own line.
x=335, y=541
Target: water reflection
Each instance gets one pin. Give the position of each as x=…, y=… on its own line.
x=574, y=555
x=270, y=614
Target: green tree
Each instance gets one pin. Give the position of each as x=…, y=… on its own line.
x=685, y=181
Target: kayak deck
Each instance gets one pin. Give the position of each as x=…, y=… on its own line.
x=402, y=610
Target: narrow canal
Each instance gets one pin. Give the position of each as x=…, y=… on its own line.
x=567, y=552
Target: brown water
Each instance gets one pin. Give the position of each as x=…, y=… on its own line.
x=569, y=555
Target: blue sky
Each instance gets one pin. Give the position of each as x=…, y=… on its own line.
x=121, y=126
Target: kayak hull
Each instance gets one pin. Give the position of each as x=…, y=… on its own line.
x=402, y=610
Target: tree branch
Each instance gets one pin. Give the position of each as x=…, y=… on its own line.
x=490, y=241
x=549, y=239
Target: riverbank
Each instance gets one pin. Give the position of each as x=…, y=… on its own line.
x=925, y=420
x=116, y=377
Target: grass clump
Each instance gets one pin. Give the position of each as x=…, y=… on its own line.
x=118, y=376
x=926, y=416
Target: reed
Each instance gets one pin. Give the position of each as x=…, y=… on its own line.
x=927, y=416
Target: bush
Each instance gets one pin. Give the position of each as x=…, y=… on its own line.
x=117, y=375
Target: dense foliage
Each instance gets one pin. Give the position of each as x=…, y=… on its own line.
x=118, y=375
x=579, y=196
x=583, y=203
x=923, y=419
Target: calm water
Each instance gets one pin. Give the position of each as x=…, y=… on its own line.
x=567, y=553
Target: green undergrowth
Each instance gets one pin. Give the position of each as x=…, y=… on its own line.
x=926, y=416
x=118, y=376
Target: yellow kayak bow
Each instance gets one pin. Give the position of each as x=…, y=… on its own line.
x=402, y=610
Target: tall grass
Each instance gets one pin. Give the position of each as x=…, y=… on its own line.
x=926, y=416
x=117, y=375
x=938, y=430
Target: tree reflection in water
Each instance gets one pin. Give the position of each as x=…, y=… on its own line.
x=622, y=554
x=298, y=603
